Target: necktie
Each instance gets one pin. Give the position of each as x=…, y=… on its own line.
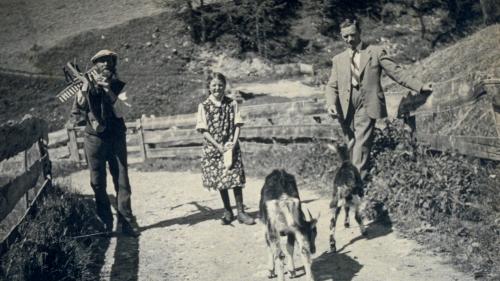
x=354, y=71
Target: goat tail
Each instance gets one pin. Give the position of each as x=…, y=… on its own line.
x=292, y=213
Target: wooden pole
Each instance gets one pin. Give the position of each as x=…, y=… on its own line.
x=26, y=195
x=142, y=145
x=73, y=145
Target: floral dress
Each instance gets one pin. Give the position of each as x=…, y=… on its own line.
x=220, y=119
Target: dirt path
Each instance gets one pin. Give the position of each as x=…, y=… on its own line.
x=182, y=239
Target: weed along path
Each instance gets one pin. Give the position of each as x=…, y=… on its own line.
x=182, y=239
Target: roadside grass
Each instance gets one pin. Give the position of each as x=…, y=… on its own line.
x=47, y=248
x=448, y=201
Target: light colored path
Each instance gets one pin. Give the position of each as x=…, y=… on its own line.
x=182, y=239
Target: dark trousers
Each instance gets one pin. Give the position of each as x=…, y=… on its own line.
x=111, y=150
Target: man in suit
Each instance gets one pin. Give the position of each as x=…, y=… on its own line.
x=354, y=93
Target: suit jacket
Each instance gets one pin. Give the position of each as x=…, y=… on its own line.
x=373, y=60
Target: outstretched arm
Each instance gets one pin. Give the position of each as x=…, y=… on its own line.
x=396, y=73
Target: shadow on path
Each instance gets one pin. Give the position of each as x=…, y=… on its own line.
x=204, y=213
x=126, y=257
x=374, y=230
x=335, y=266
x=98, y=243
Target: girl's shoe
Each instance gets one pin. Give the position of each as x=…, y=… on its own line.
x=245, y=218
x=227, y=218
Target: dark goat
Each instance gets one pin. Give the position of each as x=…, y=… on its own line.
x=281, y=212
x=347, y=192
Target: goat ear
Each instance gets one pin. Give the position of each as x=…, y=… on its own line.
x=350, y=145
x=332, y=147
x=310, y=215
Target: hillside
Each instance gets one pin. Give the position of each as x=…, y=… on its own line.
x=29, y=27
x=163, y=66
x=478, y=52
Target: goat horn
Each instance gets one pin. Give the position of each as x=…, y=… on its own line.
x=310, y=215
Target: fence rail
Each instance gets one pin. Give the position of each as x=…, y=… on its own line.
x=461, y=115
x=19, y=137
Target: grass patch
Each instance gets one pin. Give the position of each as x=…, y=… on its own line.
x=46, y=249
x=449, y=202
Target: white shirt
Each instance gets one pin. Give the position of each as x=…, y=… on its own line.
x=201, y=117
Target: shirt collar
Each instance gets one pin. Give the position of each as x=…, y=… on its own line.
x=214, y=100
x=358, y=48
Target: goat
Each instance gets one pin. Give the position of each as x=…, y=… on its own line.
x=281, y=212
x=347, y=192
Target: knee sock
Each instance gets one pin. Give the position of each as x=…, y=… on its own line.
x=225, y=199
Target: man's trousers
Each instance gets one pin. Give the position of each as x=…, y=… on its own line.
x=111, y=150
x=361, y=129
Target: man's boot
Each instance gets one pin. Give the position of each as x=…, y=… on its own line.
x=242, y=216
x=128, y=226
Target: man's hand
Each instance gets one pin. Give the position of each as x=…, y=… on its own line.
x=426, y=89
x=332, y=111
x=107, y=89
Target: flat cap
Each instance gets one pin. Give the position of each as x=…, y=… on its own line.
x=104, y=53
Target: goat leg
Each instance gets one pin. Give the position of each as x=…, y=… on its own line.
x=335, y=213
x=346, y=220
x=359, y=217
x=289, y=252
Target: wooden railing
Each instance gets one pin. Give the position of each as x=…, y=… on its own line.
x=461, y=115
x=15, y=140
x=175, y=136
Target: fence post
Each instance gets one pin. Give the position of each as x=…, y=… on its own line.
x=73, y=145
x=142, y=145
x=26, y=195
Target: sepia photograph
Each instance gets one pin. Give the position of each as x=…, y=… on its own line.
x=249, y=140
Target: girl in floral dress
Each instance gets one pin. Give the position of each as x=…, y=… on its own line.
x=219, y=120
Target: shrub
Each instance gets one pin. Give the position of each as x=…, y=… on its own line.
x=46, y=248
x=449, y=201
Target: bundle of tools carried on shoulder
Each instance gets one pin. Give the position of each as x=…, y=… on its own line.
x=75, y=77
x=95, y=96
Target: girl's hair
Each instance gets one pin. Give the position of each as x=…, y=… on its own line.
x=213, y=76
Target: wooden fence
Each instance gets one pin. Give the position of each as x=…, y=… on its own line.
x=461, y=115
x=175, y=136
x=16, y=138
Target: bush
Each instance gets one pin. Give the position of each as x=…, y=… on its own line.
x=447, y=200
x=47, y=249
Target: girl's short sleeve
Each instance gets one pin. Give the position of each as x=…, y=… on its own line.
x=201, y=119
x=237, y=114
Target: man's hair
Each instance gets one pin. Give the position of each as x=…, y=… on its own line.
x=349, y=22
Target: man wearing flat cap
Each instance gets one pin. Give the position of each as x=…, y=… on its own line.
x=105, y=139
x=354, y=93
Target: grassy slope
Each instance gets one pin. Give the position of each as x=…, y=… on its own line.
x=154, y=54
x=478, y=52
x=157, y=82
x=27, y=27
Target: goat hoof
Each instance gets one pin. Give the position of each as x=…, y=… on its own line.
x=333, y=247
x=346, y=225
x=272, y=274
x=292, y=274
